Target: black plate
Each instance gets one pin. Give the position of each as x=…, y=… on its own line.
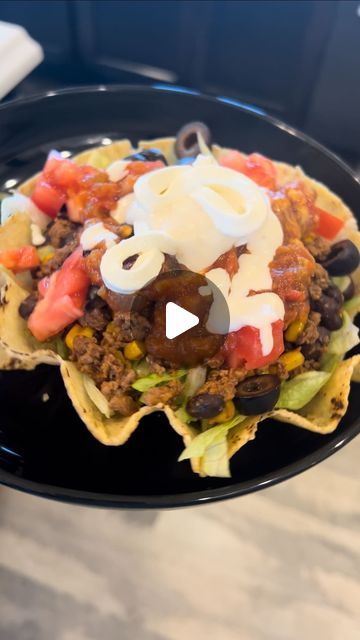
x=44, y=446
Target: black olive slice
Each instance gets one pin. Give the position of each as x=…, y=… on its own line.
x=343, y=258
x=186, y=144
x=257, y=394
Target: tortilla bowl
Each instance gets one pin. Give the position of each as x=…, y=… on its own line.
x=236, y=438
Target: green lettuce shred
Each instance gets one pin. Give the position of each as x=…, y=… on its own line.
x=345, y=338
x=210, y=445
x=96, y=396
x=296, y=393
x=352, y=306
x=154, y=379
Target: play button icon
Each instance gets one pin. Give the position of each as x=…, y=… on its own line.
x=178, y=320
x=181, y=316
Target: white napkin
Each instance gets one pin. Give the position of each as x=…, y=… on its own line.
x=19, y=55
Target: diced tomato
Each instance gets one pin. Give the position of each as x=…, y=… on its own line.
x=61, y=172
x=20, y=259
x=64, y=295
x=256, y=167
x=245, y=346
x=47, y=198
x=227, y=261
x=328, y=225
x=233, y=160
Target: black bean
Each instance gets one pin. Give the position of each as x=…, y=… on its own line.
x=257, y=394
x=334, y=292
x=330, y=312
x=28, y=305
x=186, y=144
x=147, y=155
x=343, y=258
x=205, y=405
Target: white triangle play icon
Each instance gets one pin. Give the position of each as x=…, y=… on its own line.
x=178, y=320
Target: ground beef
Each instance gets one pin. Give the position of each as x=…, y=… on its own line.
x=313, y=351
x=56, y=262
x=118, y=400
x=110, y=374
x=61, y=232
x=319, y=247
x=155, y=366
x=311, y=330
x=133, y=325
x=216, y=361
x=223, y=382
x=97, y=314
x=320, y=281
x=88, y=356
x=165, y=393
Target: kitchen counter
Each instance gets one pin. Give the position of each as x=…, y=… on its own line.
x=282, y=564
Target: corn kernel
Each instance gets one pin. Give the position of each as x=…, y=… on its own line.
x=77, y=330
x=294, y=330
x=292, y=359
x=226, y=414
x=45, y=253
x=126, y=231
x=309, y=238
x=110, y=327
x=134, y=350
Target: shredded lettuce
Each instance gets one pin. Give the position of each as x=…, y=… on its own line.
x=183, y=415
x=345, y=338
x=143, y=384
x=296, y=393
x=329, y=362
x=194, y=380
x=342, y=282
x=96, y=396
x=215, y=461
x=352, y=306
x=142, y=368
x=199, y=445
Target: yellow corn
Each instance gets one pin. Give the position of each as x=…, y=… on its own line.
x=293, y=331
x=227, y=413
x=292, y=359
x=110, y=327
x=45, y=253
x=126, y=231
x=134, y=350
x=77, y=330
x=309, y=238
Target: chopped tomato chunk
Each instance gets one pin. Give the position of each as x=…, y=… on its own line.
x=48, y=198
x=328, y=225
x=245, y=346
x=63, y=298
x=88, y=192
x=20, y=259
x=256, y=167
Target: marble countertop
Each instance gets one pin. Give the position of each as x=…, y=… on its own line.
x=280, y=564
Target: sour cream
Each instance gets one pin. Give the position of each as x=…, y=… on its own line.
x=96, y=233
x=204, y=210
